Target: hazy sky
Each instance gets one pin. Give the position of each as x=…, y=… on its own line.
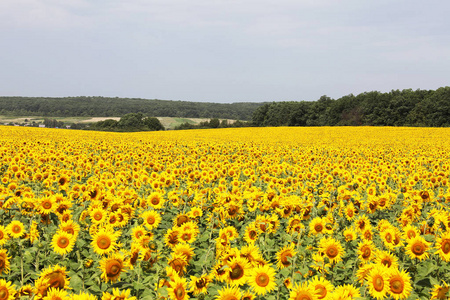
x=222, y=51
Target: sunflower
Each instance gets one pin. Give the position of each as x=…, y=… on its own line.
x=317, y=225
x=346, y=291
x=118, y=294
x=199, y=284
x=237, y=271
x=177, y=289
x=15, y=229
x=284, y=255
x=7, y=290
x=105, y=241
x=155, y=200
x=138, y=233
x=386, y=259
x=262, y=279
x=56, y=294
x=178, y=262
x=180, y=219
x=229, y=293
x=34, y=233
x=417, y=248
x=442, y=246
x=172, y=237
x=410, y=232
x=63, y=242
x=26, y=291
x=52, y=277
x=251, y=234
x=112, y=266
x=377, y=282
x=303, y=291
x=251, y=253
x=184, y=249
x=248, y=296
x=366, y=251
x=363, y=271
x=440, y=291
x=4, y=237
x=388, y=236
x=151, y=219
x=70, y=227
x=332, y=249
x=98, y=216
x=399, y=284
x=84, y=296
x=350, y=234
x=362, y=222
x=4, y=261
x=323, y=288
x=47, y=205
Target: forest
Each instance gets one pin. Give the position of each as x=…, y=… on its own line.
x=118, y=107
x=428, y=108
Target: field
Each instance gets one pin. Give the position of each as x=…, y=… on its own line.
x=230, y=214
x=167, y=122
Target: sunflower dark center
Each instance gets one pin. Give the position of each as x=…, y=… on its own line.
x=262, y=280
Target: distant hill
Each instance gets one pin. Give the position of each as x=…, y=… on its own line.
x=117, y=107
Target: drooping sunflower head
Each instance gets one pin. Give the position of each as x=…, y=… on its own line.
x=4, y=261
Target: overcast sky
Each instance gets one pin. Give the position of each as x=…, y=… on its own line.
x=222, y=51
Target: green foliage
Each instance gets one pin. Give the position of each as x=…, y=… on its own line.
x=213, y=123
x=396, y=108
x=118, y=107
x=129, y=122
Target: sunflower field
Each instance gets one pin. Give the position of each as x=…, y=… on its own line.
x=229, y=214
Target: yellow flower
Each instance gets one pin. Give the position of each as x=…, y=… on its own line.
x=63, y=242
x=229, y=293
x=56, y=294
x=262, y=279
x=199, y=284
x=440, y=291
x=112, y=266
x=4, y=261
x=7, y=290
x=323, y=288
x=442, y=246
x=15, y=229
x=377, y=282
x=151, y=219
x=237, y=270
x=105, y=241
x=399, y=284
x=332, y=249
x=3, y=235
x=178, y=289
x=284, y=256
x=303, y=291
x=417, y=248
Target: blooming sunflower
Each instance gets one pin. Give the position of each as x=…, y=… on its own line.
x=52, y=277
x=386, y=259
x=346, y=291
x=417, y=248
x=317, y=225
x=105, y=240
x=47, y=205
x=70, y=227
x=4, y=237
x=377, y=282
x=237, y=271
x=15, y=229
x=112, y=266
x=56, y=294
x=178, y=289
x=442, y=246
x=98, y=216
x=399, y=284
x=199, y=284
x=63, y=242
x=350, y=234
x=184, y=249
x=4, y=261
x=151, y=219
x=366, y=251
x=155, y=200
x=332, y=249
x=251, y=234
x=440, y=291
x=303, y=291
x=283, y=256
x=7, y=290
x=262, y=279
x=410, y=232
x=229, y=293
x=323, y=288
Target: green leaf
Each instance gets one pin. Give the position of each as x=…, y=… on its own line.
x=76, y=282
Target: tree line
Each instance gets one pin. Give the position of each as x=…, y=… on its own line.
x=118, y=107
x=430, y=108
x=128, y=123
x=213, y=123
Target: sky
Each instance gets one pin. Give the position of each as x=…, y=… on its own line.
x=222, y=51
